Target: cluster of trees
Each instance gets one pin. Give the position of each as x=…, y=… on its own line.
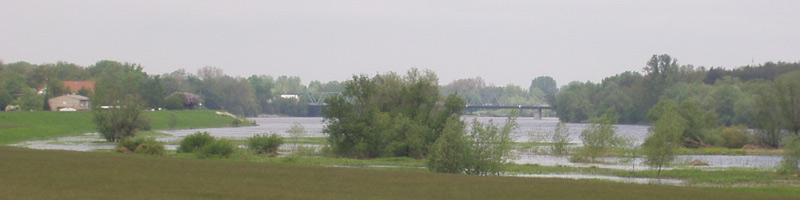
x=730, y=94
x=209, y=88
x=706, y=98
x=390, y=115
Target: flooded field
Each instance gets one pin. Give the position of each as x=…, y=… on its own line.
x=528, y=128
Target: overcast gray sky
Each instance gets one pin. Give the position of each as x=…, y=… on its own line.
x=505, y=42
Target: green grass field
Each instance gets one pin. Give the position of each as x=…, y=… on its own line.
x=22, y=126
x=41, y=174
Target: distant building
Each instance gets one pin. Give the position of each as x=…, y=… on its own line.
x=69, y=102
x=74, y=86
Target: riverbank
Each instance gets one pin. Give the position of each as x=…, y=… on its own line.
x=45, y=174
x=24, y=126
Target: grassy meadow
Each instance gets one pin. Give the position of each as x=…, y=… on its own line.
x=44, y=174
x=22, y=126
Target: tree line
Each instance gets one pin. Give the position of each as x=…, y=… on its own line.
x=208, y=88
x=707, y=100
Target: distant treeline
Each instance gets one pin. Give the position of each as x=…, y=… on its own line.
x=257, y=94
x=732, y=95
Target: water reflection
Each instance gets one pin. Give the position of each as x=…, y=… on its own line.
x=610, y=178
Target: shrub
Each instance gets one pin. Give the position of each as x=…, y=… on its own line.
x=451, y=152
x=264, y=144
x=145, y=145
x=195, y=142
x=560, y=139
x=217, y=148
x=175, y=101
x=483, y=151
x=236, y=122
x=123, y=119
x=791, y=156
x=735, y=137
x=598, y=139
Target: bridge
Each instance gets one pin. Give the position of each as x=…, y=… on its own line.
x=497, y=101
x=474, y=102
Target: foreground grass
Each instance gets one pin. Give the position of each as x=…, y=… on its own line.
x=40, y=174
x=22, y=126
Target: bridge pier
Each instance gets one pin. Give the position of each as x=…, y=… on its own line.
x=537, y=114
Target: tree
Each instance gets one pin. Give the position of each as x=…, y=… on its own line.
x=297, y=131
x=451, y=152
x=548, y=86
x=599, y=138
x=175, y=101
x=388, y=115
x=483, y=151
x=122, y=119
x=787, y=93
x=661, y=145
x=29, y=100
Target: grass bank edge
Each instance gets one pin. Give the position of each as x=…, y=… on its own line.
x=22, y=126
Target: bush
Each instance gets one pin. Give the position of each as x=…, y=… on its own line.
x=735, y=137
x=195, y=142
x=122, y=119
x=146, y=145
x=560, y=139
x=175, y=102
x=236, y=122
x=217, y=148
x=262, y=143
x=484, y=151
x=598, y=139
x=791, y=156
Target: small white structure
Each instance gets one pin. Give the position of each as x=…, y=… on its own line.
x=290, y=96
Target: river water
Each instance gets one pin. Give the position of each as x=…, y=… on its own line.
x=529, y=129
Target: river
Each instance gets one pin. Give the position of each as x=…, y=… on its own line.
x=528, y=128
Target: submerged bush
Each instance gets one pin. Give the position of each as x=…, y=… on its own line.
x=195, y=142
x=217, y=149
x=262, y=143
x=143, y=145
x=598, y=139
x=560, y=139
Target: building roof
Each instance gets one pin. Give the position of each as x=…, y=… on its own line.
x=74, y=86
x=78, y=97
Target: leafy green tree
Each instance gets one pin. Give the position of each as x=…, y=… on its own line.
x=790, y=164
x=787, y=94
x=121, y=120
x=483, y=151
x=663, y=142
x=175, y=101
x=699, y=125
x=387, y=115
x=574, y=102
x=560, y=139
x=548, y=86
x=491, y=146
x=599, y=138
x=451, y=153
x=30, y=101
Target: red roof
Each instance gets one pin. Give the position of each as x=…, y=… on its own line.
x=74, y=86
